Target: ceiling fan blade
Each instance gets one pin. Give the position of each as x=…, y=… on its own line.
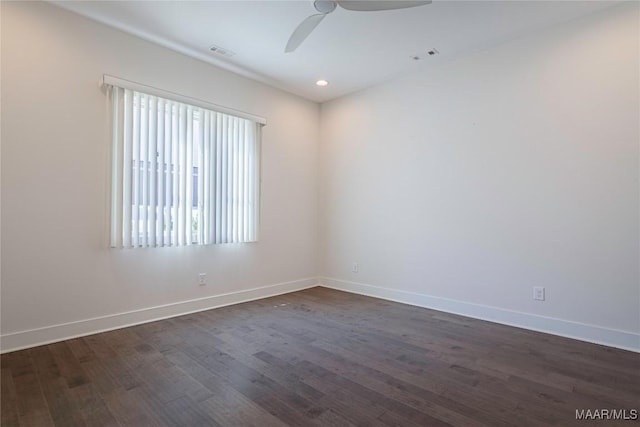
x=373, y=5
x=302, y=31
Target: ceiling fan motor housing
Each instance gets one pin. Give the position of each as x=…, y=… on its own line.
x=324, y=6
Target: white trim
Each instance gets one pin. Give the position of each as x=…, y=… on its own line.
x=49, y=334
x=108, y=80
x=626, y=340
x=591, y=333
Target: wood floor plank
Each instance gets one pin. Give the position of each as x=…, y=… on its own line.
x=183, y=412
x=81, y=350
x=31, y=404
x=102, y=378
x=92, y=408
x=329, y=418
x=131, y=409
x=68, y=365
x=393, y=388
x=63, y=410
x=227, y=405
x=271, y=396
x=8, y=400
x=317, y=357
x=346, y=405
x=167, y=381
x=244, y=353
x=110, y=369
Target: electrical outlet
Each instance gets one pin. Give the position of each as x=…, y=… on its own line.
x=354, y=267
x=202, y=279
x=538, y=293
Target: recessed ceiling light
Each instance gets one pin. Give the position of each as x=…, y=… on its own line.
x=322, y=83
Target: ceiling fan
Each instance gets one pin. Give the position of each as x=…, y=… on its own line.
x=325, y=7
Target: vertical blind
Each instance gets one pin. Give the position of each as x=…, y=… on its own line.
x=182, y=174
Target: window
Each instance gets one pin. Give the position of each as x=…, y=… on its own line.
x=182, y=174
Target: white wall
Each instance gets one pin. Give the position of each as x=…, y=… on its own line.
x=507, y=169
x=56, y=264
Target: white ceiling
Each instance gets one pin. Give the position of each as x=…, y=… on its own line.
x=352, y=50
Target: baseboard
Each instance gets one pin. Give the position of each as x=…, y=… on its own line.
x=49, y=334
x=591, y=333
x=576, y=330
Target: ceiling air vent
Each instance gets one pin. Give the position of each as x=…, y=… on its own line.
x=221, y=51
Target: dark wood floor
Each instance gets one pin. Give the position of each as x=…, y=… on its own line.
x=317, y=358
